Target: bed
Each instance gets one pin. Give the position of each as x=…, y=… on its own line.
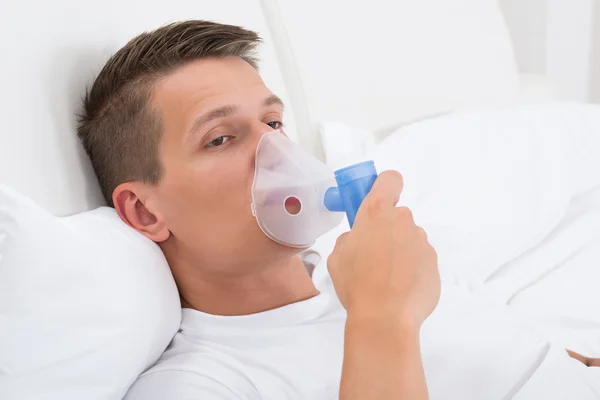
x=503, y=176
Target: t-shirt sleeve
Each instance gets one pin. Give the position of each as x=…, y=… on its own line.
x=183, y=385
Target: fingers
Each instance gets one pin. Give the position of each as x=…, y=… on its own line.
x=341, y=240
x=576, y=356
x=339, y=245
x=386, y=189
x=422, y=234
x=404, y=214
x=382, y=198
x=590, y=362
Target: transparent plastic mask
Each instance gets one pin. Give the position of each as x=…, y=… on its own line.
x=288, y=191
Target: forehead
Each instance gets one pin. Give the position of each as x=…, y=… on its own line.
x=207, y=81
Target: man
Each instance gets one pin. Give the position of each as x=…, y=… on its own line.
x=171, y=125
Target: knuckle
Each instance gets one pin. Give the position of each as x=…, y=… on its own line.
x=341, y=239
x=434, y=254
x=332, y=261
x=405, y=214
x=334, y=257
x=374, y=205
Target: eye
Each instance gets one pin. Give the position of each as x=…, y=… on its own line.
x=219, y=141
x=275, y=124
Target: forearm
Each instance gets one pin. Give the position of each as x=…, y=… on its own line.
x=382, y=360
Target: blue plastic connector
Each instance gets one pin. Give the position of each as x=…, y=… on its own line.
x=354, y=183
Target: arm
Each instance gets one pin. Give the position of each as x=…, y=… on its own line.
x=382, y=360
x=385, y=274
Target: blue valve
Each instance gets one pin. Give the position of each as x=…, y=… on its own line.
x=354, y=183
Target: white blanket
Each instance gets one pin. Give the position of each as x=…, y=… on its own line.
x=511, y=201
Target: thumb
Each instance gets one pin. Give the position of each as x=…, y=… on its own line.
x=387, y=188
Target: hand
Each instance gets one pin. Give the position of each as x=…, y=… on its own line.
x=384, y=267
x=590, y=362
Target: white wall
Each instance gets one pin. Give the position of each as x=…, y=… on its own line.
x=555, y=38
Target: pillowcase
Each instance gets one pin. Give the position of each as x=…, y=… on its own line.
x=343, y=144
x=86, y=303
x=485, y=184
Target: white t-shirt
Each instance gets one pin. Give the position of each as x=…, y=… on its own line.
x=293, y=352
x=472, y=349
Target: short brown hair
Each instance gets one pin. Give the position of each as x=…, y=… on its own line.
x=117, y=126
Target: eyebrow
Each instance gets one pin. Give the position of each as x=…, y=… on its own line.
x=226, y=111
x=273, y=100
x=205, y=118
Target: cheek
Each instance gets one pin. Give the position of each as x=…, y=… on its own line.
x=231, y=181
x=210, y=190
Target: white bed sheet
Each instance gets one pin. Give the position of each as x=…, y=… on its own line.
x=511, y=201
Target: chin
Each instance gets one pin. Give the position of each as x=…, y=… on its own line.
x=266, y=248
x=281, y=249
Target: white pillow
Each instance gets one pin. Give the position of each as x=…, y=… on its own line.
x=536, y=88
x=86, y=303
x=343, y=144
x=486, y=184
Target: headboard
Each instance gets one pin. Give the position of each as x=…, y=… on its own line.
x=375, y=65
x=380, y=64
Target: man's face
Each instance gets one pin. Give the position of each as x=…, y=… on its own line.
x=213, y=114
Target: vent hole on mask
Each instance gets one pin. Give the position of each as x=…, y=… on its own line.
x=292, y=205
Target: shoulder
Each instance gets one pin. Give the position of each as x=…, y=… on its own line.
x=183, y=385
x=189, y=372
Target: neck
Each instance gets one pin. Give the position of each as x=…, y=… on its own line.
x=267, y=287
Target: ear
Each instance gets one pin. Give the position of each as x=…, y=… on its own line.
x=136, y=209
